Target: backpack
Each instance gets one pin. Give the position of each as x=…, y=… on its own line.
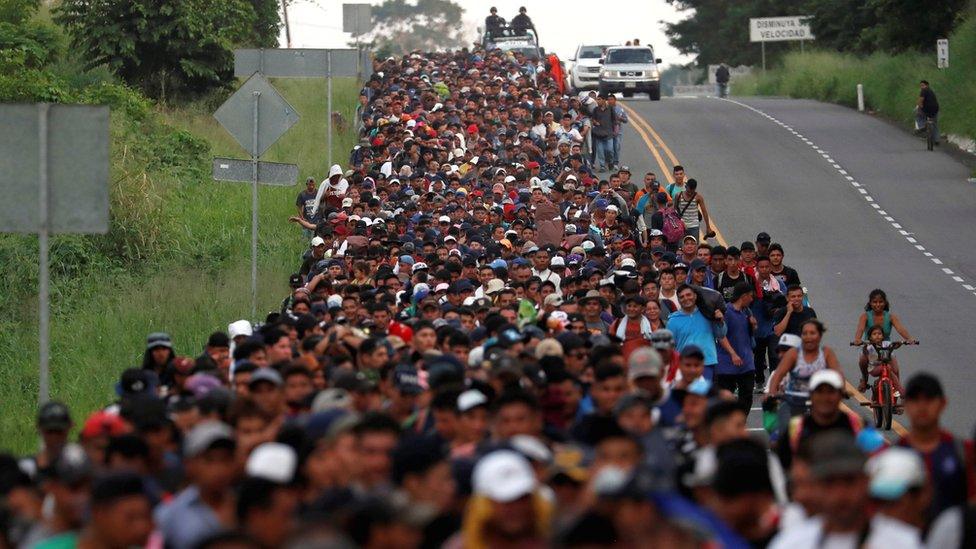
x=672, y=226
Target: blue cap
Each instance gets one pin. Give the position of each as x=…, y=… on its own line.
x=498, y=264
x=406, y=381
x=600, y=203
x=700, y=387
x=406, y=259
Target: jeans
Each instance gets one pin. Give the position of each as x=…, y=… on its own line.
x=616, y=149
x=920, y=122
x=723, y=89
x=765, y=354
x=603, y=151
x=740, y=385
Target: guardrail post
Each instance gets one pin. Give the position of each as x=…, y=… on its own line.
x=860, y=97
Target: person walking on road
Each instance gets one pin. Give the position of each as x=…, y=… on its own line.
x=926, y=107
x=619, y=119
x=690, y=206
x=603, y=125
x=722, y=78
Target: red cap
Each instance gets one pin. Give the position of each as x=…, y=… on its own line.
x=473, y=128
x=532, y=165
x=104, y=423
x=628, y=244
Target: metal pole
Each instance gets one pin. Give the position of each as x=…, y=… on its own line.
x=43, y=291
x=860, y=97
x=328, y=107
x=254, y=212
x=764, y=55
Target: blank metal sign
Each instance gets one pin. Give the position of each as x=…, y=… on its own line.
x=275, y=115
x=269, y=173
x=77, y=167
x=296, y=63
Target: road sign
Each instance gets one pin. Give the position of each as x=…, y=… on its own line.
x=269, y=173
x=356, y=18
x=778, y=29
x=53, y=178
x=277, y=116
x=77, y=168
x=942, y=53
x=297, y=63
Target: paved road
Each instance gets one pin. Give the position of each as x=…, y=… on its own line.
x=756, y=175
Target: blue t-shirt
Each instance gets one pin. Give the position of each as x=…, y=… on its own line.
x=694, y=329
x=737, y=330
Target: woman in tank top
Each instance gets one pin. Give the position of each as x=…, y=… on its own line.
x=797, y=365
x=877, y=313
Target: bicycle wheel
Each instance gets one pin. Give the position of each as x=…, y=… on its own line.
x=887, y=405
x=930, y=135
x=878, y=414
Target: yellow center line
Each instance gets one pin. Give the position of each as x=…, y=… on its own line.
x=643, y=127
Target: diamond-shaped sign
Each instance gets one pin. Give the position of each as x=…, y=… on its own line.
x=275, y=115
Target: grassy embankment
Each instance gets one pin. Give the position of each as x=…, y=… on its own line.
x=890, y=81
x=176, y=258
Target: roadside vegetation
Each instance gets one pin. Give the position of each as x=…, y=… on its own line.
x=176, y=257
x=890, y=81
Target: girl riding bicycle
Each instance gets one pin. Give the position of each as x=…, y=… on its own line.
x=877, y=313
x=870, y=363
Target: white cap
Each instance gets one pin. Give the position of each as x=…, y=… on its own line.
x=828, y=377
x=503, y=476
x=628, y=262
x=317, y=241
x=240, y=328
x=895, y=471
x=588, y=245
x=509, y=179
x=531, y=447
x=347, y=203
x=334, y=300
x=418, y=266
x=443, y=219
x=656, y=232
x=790, y=340
x=442, y=287
x=612, y=208
x=450, y=238
x=471, y=399
x=272, y=461
x=557, y=261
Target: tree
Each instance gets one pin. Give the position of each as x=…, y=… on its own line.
x=401, y=26
x=267, y=24
x=164, y=47
x=717, y=31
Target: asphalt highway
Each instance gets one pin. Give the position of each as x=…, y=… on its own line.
x=857, y=204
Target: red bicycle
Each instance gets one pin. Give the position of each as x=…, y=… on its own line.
x=883, y=401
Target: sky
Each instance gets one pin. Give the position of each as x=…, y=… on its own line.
x=562, y=24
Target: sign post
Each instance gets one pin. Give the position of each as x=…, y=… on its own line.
x=301, y=63
x=241, y=115
x=54, y=174
x=356, y=20
x=942, y=53
x=779, y=29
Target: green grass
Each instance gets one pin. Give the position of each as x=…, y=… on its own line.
x=890, y=81
x=177, y=258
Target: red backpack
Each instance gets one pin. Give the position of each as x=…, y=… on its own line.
x=672, y=227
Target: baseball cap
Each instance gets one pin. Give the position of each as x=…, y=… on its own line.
x=272, y=461
x=318, y=241
x=895, y=471
x=662, y=339
x=332, y=398
x=827, y=377
x=763, y=237
x=406, y=381
x=159, y=339
x=207, y=435
x=53, y=416
x=470, y=399
x=503, y=476
x=790, y=340
x=103, y=423
x=643, y=362
x=555, y=300
x=697, y=264
x=747, y=246
x=265, y=374
x=419, y=266
x=835, y=453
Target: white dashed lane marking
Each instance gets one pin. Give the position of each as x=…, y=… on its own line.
x=909, y=236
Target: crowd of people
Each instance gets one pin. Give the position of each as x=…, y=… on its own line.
x=498, y=338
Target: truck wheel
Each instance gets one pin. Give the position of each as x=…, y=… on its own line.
x=628, y=94
x=655, y=94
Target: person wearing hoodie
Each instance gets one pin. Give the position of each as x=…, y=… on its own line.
x=333, y=190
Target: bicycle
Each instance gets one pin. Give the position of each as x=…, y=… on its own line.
x=883, y=402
